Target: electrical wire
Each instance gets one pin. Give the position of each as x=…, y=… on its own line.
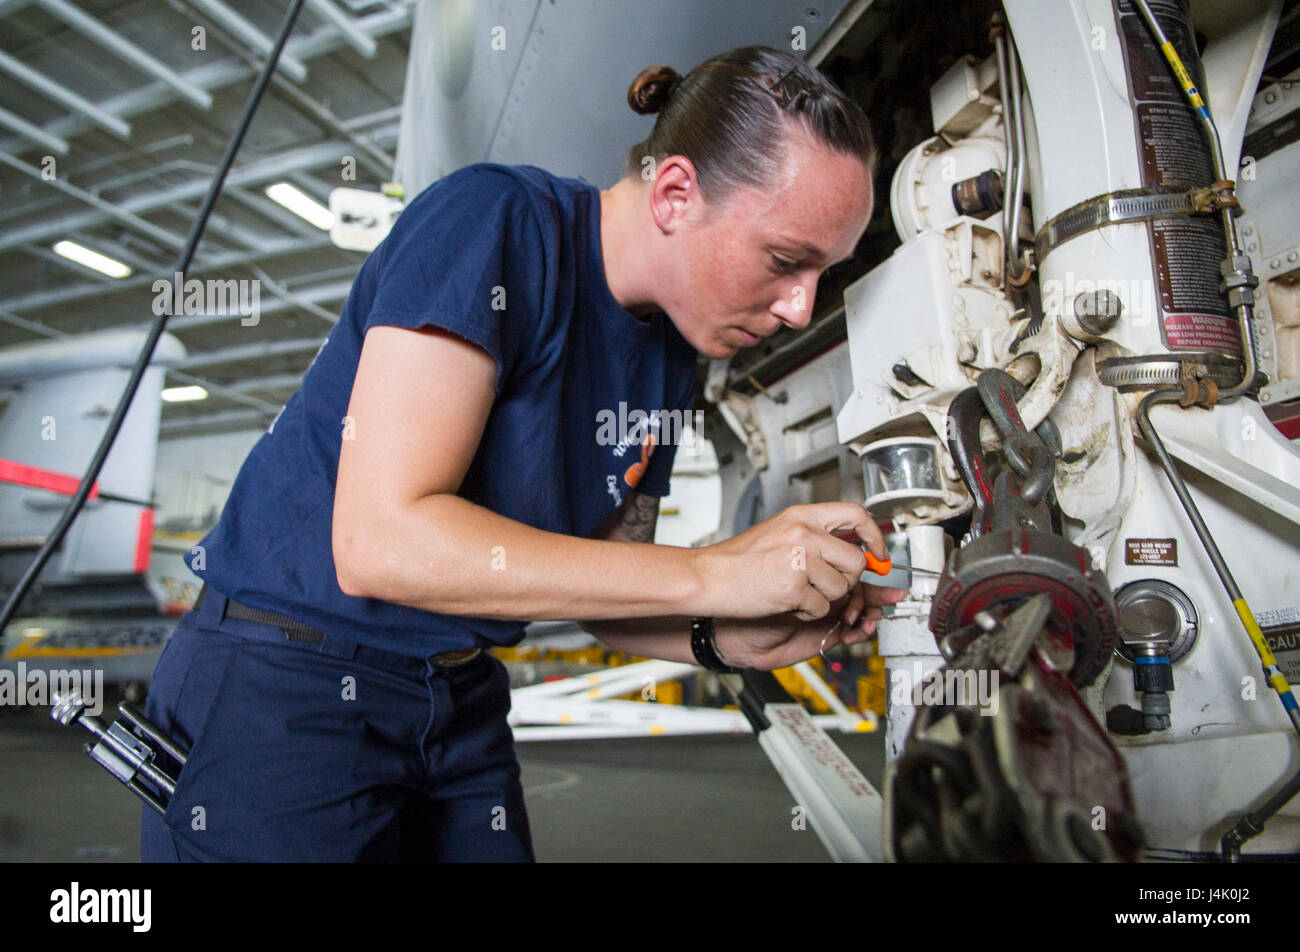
x=55, y=538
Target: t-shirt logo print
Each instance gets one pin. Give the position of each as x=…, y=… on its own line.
x=637, y=470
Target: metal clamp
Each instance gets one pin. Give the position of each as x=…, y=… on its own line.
x=1113, y=208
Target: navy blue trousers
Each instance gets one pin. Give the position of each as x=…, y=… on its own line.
x=330, y=752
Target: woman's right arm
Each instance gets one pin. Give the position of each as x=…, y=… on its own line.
x=401, y=534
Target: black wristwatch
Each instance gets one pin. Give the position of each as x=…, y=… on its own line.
x=705, y=648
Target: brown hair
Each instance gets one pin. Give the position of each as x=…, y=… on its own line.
x=728, y=117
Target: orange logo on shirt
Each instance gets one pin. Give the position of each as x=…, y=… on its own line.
x=637, y=470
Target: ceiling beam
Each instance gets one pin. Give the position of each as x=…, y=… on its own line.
x=334, y=291
x=180, y=426
x=227, y=18
x=362, y=42
x=64, y=96
x=216, y=76
x=40, y=299
x=103, y=208
x=125, y=50
x=255, y=173
x=258, y=351
x=18, y=124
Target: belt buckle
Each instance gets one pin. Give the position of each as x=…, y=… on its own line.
x=455, y=659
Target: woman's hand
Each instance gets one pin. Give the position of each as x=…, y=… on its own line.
x=782, y=640
x=791, y=563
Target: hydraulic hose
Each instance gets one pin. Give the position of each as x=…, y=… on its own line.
x=1013, y=129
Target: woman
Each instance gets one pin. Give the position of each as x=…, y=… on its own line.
x=440, y=479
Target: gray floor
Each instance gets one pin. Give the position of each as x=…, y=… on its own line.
x=650, y=800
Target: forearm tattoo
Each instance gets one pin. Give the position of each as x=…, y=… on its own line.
x=638, y=519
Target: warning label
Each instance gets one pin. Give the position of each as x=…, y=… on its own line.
x=1150, y=551
x=1194, y=310
x=1186, y=251
x=1169, y=155
x=1284, y=642
x=1276, y=617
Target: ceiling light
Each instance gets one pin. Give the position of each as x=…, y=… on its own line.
x=301, y=204
x=91, y=259
x=182, y=394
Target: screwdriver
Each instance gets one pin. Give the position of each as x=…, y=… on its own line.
x=884, y=567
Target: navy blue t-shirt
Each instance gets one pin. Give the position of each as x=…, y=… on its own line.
x=507, y=257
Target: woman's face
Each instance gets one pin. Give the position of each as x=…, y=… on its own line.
x=744, y=268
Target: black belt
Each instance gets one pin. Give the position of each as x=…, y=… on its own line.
x=295, y=630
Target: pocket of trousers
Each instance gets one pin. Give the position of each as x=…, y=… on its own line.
x=202, y=669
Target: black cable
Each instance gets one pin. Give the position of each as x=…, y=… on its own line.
x=182, y=265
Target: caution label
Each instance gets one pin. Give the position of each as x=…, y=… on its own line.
x=1284, y=642
x=1150, y=551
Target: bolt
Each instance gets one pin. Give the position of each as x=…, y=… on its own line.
x=1097, y=311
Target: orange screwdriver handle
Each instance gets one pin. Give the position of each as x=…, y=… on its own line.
x=873, y=564
x=880, y=567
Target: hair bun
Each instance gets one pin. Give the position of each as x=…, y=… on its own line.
x=650, y=90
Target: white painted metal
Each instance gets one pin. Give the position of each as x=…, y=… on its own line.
x=845, y=810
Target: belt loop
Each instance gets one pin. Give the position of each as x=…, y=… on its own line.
x=337, y=647
x=211, y=607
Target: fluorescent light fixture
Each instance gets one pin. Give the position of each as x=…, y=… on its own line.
x=91, y=259
x=183, y=394
x=301, y=204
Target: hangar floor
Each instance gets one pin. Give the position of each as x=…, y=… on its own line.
x=672, y=799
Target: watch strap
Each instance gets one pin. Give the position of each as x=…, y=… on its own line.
x=705, y=648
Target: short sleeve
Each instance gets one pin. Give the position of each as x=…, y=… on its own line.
x=673, y=430
x=466, y=255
